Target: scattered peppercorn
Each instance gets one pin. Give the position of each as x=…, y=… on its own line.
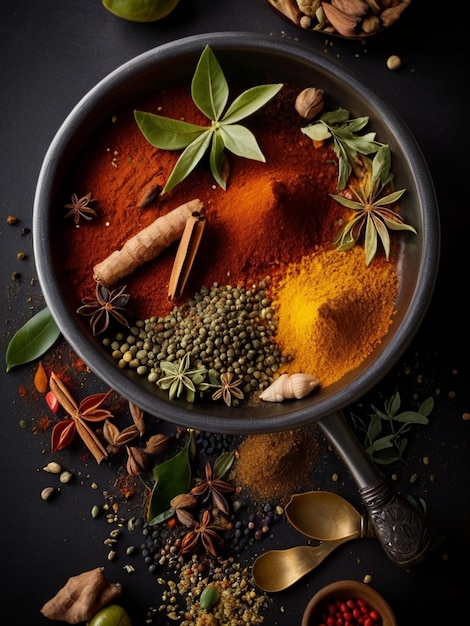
x=21, y=256
x=393, y=62
x=11, y=219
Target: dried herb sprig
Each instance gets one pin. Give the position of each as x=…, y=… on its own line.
x=209, y=91
x=347, y=143
x=372, y=212
x=384, y=439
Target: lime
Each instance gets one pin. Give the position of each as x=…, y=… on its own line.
x=112, y=615
x=140, y=10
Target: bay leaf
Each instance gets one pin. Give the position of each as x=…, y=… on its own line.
x=172, y=478
x=32, y=340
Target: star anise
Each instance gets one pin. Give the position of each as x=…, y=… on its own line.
x=180, y=377
x=107, y=304
x=202, y=534
x=228, y=388
x=372, y=209
x=88, y=410
x=215, y=488
x=79, y=208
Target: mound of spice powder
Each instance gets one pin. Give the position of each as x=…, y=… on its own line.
x=268, y=464
x=272, y=217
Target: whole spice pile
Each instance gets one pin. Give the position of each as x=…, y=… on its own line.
x=271, y=233
x=275, y=210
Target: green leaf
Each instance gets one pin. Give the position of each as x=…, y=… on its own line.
x=335, y=117
x=188, y=160
x=389, y=198
x=427, y=406
x=166, y=133
x=317, y=131
x=250, y=101
x=392, y=405
x=374, y=428
x=381, y=167
x=209, y=89
x=171, y=479
x=217, y=159
x=223, y=463
x=382, y=443
x=411, y=417
x=241, y=142
x=32, y=340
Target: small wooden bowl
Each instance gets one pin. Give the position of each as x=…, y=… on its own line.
x=331, y=21
x=344, y=590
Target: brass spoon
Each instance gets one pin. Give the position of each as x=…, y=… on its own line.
x=317, y=514
x=277, y=570
x=326, y=516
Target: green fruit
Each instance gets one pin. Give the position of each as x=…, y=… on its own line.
x=140, y=10
x=112, y=615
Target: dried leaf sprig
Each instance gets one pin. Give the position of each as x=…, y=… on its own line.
x=348, y=144
x=372, y=212
x=384, y=433
x=106, y=305
x=89, y=410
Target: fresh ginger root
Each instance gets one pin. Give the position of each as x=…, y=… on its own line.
x=145, y=245
x=82, y=597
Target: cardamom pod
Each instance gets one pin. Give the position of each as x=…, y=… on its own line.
x=127, y=435
x=157, y=444
x=183, y=501
x=137, y=461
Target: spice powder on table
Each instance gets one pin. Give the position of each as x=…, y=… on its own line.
x=276, y=220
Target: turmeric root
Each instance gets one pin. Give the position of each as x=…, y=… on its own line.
x=145, y=245
x=82, y=597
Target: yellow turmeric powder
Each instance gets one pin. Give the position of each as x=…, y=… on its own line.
x=333, y=311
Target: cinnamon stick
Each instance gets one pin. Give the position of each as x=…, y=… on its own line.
x=146, y=244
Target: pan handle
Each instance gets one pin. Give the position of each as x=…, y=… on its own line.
x=400, y=527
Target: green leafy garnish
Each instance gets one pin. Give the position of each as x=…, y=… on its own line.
x=384, y=434
x=209, y=91
x=32, y=340
x=371, y=208
x=171, y=478
x=347, y=144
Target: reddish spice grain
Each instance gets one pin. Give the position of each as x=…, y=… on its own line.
x=350, y=612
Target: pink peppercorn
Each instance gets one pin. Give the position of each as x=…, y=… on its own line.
x=351, y=612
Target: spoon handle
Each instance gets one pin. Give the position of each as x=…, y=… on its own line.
x=399, y=526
